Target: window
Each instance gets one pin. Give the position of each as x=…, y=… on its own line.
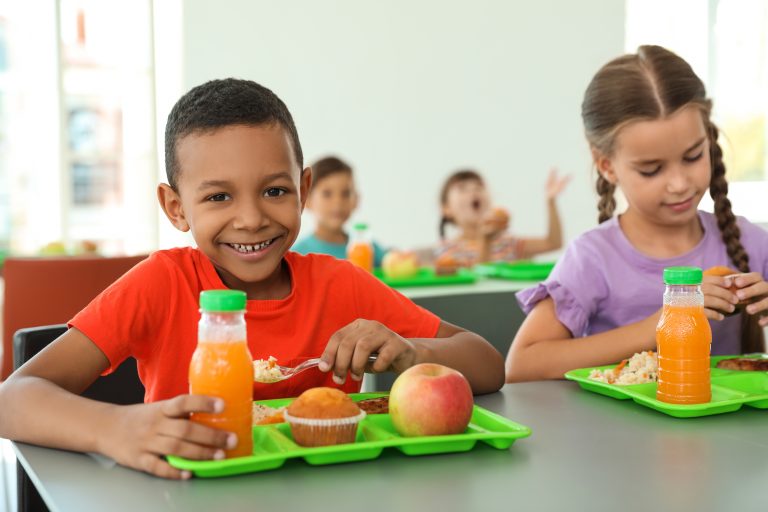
x=726, y=43
x=78, y=154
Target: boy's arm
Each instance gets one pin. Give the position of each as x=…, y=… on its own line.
x=44, y=392
x=349, y=348
x=467, y=352
x=545, y=349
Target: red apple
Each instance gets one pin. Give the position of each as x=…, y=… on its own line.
x=400, y=264
x=429, y=400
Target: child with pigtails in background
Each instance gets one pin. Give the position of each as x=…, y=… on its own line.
x=648, y=123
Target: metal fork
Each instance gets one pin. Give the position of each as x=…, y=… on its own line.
x=288, y=371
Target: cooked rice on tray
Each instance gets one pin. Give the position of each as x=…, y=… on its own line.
x=638, y=369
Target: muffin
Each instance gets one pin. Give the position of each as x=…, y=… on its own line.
x=323, y=416
x=446, y=265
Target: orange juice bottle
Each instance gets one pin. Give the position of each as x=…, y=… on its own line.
x=683, y=339
x=360, y=248
x=222, y=366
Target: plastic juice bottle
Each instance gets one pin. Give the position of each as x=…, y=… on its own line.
x=222, y=366
x=360, y=248
x=683, y=339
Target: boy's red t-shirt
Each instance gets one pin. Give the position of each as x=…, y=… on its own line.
x=151, y=313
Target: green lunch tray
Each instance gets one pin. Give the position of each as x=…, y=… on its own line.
x=426, y=277
x=730, y=390
x=273, y=444
x=516, y=271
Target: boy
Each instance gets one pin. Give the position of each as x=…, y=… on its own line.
x=235, y=180
x=332, y=199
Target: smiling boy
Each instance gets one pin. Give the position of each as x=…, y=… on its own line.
x=236, y=182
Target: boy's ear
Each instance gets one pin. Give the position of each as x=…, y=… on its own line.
x=305, y=184
x=604, y=165
x=170, y=202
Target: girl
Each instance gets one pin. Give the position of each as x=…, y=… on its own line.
x=647, y=121
x=465, y=202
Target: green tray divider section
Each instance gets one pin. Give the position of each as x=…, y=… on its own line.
x=522, y=270
x=273, y=444
x=731, y=389
x=426, y=277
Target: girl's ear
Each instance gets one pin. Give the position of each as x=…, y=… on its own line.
x=170, y=202
x=604, y=166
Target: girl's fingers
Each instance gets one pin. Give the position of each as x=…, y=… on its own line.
x=759, y=306
x=750, y=278
x=718, y=304
x=713, y=315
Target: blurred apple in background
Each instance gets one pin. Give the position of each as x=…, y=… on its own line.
x=430, y=399
x=400, y=264
x=53, y=249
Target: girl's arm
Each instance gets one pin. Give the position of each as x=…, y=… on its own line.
x=554, y=239
x=545, y=349
x=530, y=247
x=45, y=392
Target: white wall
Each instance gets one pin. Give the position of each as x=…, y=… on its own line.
x=409, y=91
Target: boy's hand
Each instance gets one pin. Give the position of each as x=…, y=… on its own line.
x=138, y=436
x=753, y=288
x=349, y=348
x=718, y=299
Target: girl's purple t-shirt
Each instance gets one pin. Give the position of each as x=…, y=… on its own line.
x=602, y=282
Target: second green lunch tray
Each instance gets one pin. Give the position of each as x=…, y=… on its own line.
x=516, y=270
x=731, y=389
x=273, y=444
x=426, y=277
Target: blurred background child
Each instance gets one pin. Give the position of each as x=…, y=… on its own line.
x=332, y=200
x=482, y=229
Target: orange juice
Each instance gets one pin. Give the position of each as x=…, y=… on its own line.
x=361, y=254
x=360, y=248
x=222, y=366
x=684, y=339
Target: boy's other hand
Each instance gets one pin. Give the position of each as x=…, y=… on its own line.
x=138, y=436
x=349, y=348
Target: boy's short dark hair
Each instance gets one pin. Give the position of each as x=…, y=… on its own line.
x=328, y=166
x=221, y=103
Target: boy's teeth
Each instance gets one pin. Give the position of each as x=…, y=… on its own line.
x=250, y=248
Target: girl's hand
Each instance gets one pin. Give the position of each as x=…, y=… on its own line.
x=349, y=348
x=555, y=184
x=718, y=299
x=753, y=288
x=140, y=435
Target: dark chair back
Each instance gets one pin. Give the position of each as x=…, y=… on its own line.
x=119, y=387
